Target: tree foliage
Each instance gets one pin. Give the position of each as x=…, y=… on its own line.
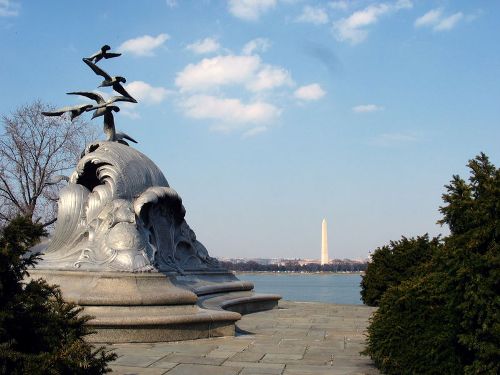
x=39, y=332
x=472, y=212
x=33, y=149
x=392, y=264
x=445, y=318
x=336, y=265
x=414, y=330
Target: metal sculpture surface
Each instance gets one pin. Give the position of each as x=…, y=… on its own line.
x=103, y=107
x=117, y=211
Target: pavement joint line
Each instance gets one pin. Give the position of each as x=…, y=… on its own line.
x=166, y=355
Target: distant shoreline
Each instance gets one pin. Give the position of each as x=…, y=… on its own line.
x=298, y=273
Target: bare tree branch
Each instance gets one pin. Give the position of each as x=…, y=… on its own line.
x=33, y=148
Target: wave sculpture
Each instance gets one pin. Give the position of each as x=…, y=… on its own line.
x=122, y=248
x=118, y=213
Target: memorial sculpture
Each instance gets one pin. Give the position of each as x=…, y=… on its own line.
x=122, y=247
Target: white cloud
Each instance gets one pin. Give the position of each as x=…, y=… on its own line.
x=309, y=92
x=206, y=45
x=144, y=45
x=435, y=19
x=8, y=8
x=365, y=108
x=353, y=29
x=432, y=17
x=146, y=93
x=314, y=15
x=256, y=45
x=339, y=5
x=254, y=131
x=268, y=78
x=211, y=73
x=449, y=23
x=203, y=85
x=171, y=3
x=231, y=111
x=250, y=10
x=217, y=71
x=130, y=114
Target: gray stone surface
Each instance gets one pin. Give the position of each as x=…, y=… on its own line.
x=122, y=249
x=282, y=341
x=118, y=213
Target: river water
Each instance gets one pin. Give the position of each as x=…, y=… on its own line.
x=314, y=287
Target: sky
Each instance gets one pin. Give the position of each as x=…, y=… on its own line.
x=267, y=116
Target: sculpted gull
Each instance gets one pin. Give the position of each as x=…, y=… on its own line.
x=114, y=82
x=74, y=111
x=102, y=53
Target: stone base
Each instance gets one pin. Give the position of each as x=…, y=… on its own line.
x=241, y=302
x=153, y=307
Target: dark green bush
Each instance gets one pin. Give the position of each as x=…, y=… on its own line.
x=390, y=265
x=414, y=331
x=39, y=332
x=445, y=318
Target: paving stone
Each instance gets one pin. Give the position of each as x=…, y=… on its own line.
x=181, y=358
x=189, y=369
x=297, y=339
x=234, y=346
x=164, y=364
x=129, y=370
x=291, y=349
x=220, y=354
x=309, y=370
x=280, y=366
x=263, y=348
x=281, y=358
x=247, y=356
x=260, y=370
x=191, y=347
x=136, y=360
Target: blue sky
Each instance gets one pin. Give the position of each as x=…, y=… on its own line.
x=268, y=115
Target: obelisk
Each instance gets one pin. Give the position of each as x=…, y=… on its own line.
x=324, y=243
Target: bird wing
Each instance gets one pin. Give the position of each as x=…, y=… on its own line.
x=91, y=95
x=77, y=110
x=99, y=112
x=121, y=99
x=58, y=112
x=83, y=107
x=95, y=55
x=97, y=70
x=121, y=90
x=125, y=136
x=110, y=55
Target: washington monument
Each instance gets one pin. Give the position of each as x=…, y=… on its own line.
x=324, y=243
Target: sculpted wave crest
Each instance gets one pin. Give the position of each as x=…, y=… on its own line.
x=119, y=213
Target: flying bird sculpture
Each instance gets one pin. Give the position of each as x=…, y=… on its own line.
x=103, y=53
x=74, y=111
x=103, y=107
x=99, y=99
x=114, y=82
x=109, y=124
x=109, y=121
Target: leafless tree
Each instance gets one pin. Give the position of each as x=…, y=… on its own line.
x=34, y=149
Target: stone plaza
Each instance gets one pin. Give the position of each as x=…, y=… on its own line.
x=298, y=338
